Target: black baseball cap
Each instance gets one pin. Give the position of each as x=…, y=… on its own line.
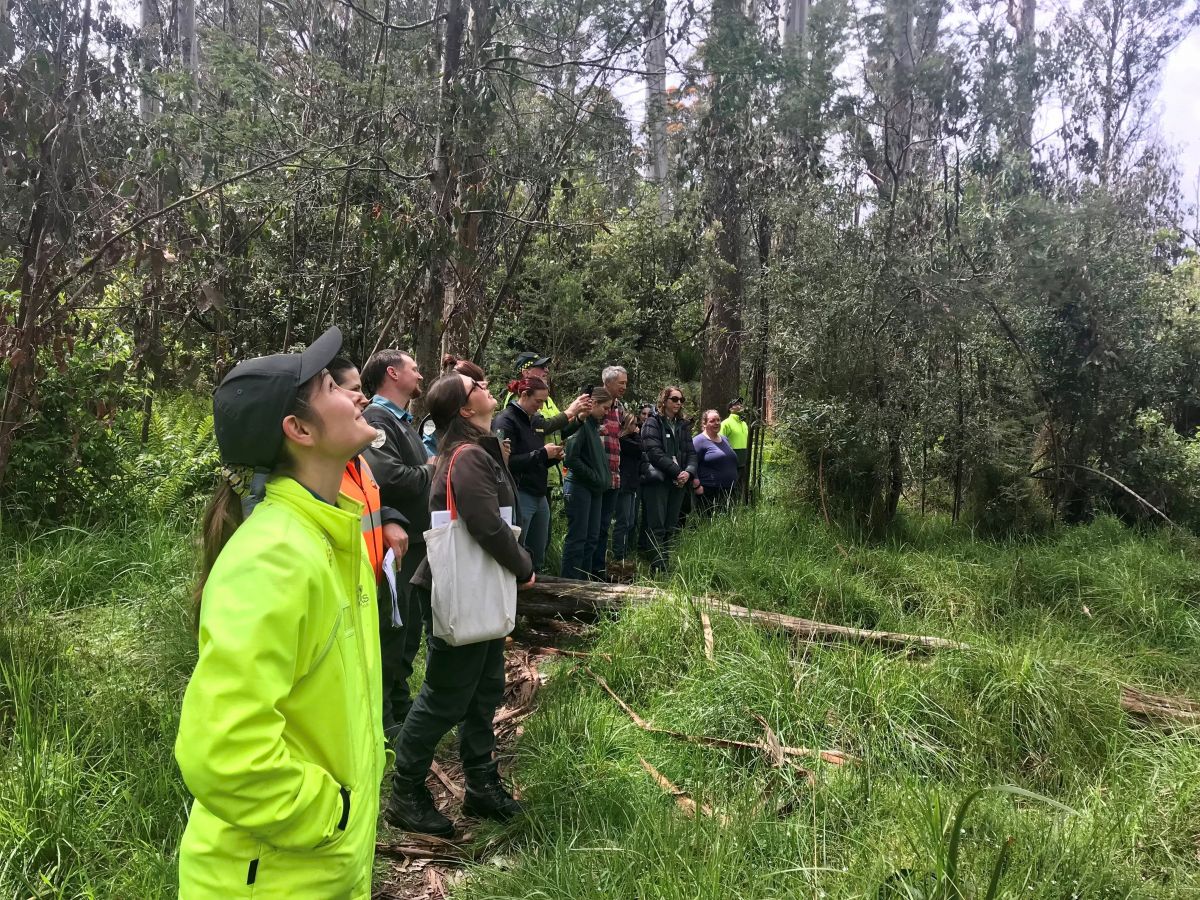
x=252, y=400
x=736, y=401
x=531, y=360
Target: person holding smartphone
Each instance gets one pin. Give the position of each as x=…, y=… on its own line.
x=532, y=454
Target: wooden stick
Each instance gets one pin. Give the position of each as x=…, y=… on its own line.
x=682, y=799
x=408, y=851
x=457, y=792
x=833, y=757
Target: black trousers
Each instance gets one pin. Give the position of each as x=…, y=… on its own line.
x=663, y=503
x=398, y=646
x=463, y=686
x=715, y=500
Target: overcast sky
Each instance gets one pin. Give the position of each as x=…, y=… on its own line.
x=1179, y=110
x=1178, y=107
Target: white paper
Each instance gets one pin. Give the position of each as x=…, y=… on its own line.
x=389, y=572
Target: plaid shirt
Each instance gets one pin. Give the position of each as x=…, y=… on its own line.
x=610, y=435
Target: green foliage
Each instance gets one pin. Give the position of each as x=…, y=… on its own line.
x=69, y=455
x=82, y=457
x=1165, y=470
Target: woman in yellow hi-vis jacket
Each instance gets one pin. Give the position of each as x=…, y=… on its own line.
x=280, y=738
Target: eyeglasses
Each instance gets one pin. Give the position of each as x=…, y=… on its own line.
x=476, y=385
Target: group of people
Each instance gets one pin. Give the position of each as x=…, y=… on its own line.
x=626, y=472
x=315, y=590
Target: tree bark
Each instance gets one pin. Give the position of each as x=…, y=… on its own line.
x=427, y=331
x=795, y=26
x=656, y=102
x=724, y=164
x=1022, y=16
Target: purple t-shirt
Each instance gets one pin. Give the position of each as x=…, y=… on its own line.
x=717, y=461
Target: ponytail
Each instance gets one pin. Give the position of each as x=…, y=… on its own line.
x=221, y=520
x=526, y=384
x=452, y=363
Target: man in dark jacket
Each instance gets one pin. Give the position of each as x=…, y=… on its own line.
x=403, y=469
x=668, y=470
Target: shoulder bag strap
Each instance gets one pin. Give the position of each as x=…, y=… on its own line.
x=450, y=504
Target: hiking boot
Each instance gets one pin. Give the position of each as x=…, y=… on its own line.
x=410, y=808
x=487, y=798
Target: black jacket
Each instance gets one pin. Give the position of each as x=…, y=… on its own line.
x=528, y=461
x=400, y=469
x=482, y=484
x=631, y=461
x=666, y=450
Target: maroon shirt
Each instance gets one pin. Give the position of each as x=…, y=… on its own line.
x=610, y=436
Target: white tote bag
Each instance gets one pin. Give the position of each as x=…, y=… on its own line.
x=474, y=598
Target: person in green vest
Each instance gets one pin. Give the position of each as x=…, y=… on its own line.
x=280, y=734
x=735, y=430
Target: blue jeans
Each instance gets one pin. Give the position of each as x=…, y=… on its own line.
x=626, y=521
x=608, y=506
x=535, y=526
x=583, y=528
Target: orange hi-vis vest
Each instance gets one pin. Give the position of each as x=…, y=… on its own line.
x=359, y=484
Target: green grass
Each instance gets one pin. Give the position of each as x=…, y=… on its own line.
x=1055, y=626
x=95, y=647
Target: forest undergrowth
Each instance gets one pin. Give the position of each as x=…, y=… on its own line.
x=95, y=648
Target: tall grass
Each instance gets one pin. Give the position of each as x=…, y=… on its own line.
x=95, y=648
x=94, y=652
x=1055, y=625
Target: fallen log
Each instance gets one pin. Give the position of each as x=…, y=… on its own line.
x=1158, y=707
x=553, y=597
x=564, y=597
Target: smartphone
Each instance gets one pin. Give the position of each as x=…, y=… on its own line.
x=586, y=389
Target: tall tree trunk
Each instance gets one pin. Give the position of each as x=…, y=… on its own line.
x=795, y=26
x=724, y=165
x=462, y=294
x=1022, y=16
x=656, y=102
x=427, y=330
x=151, y=41
x=188, y=51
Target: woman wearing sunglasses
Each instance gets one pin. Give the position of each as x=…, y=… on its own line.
x=464, y=684
x=668, y=470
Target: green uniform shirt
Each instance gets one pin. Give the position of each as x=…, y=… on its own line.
x=736, y=432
